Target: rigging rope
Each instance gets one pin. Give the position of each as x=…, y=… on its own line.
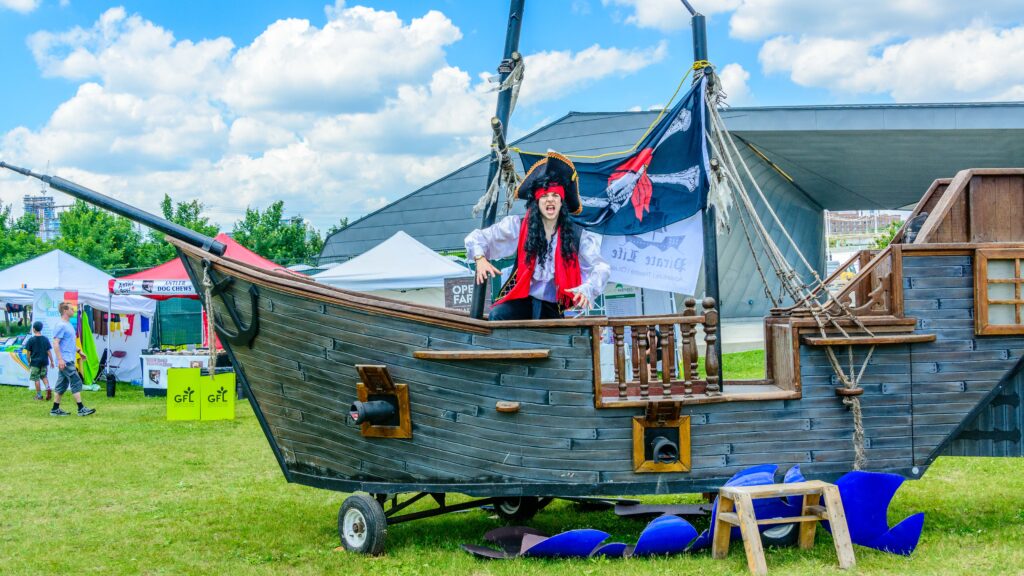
x=211, y=332
x=803, y=294
x=661, y=114
x=506, y=174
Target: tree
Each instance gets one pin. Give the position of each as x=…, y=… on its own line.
x=886, y=235
x=18, y=239
x=341, y=225
x=156, y=250
x=103, y=239
x=271, y=235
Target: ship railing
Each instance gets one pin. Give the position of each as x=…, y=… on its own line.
x=638, y=344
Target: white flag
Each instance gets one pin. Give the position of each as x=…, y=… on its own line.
x=665, y=259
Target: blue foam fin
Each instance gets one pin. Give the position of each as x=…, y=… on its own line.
x=611, y=550
x=701, y=542
x=571, y=544
x=753, y=476
x=902, y=539
x=795, y=475
x=664, y=535
x=866, y=497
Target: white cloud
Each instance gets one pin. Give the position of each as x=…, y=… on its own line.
x=250, y=136
x=734, y=82
x=336, y=120
x=668, y=15
x=557, y=73
x=758, y=19
x=975, y=63
x=581, y=7
x=358, y=57
x=122, y=132
x=130, y=54
x=23, y=6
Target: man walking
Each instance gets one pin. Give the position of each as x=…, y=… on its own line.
x=38, y=348
x=66, y=348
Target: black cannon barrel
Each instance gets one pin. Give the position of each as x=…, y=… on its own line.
x=130, y=212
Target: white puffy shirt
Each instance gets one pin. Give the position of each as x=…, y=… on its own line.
x=502, y=240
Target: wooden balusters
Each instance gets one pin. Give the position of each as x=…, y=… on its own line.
x=620, y=360
x=689, y=334
x=640, y=366
x=634, y=353
x=711, y=351
x=668, y=358
x=653, y=339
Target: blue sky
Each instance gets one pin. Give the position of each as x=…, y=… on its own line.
x=340, y=108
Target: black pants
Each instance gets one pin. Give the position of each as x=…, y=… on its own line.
x=528, y=308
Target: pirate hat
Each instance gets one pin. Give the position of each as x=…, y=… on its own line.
x=554, y=167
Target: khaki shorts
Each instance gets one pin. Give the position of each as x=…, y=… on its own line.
x=68, y=377
x=36, y=373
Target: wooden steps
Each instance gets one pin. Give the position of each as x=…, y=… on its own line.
x=736, y=508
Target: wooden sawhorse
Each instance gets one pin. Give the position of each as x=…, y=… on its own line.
x=736, y=508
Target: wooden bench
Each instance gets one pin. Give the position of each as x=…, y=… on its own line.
x=736, y=508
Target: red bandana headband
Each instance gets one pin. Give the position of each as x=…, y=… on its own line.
x=552, y=189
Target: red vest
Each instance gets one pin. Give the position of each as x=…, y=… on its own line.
x=567, y=273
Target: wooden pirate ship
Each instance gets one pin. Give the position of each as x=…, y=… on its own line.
x=918, y=356
x=517, y=411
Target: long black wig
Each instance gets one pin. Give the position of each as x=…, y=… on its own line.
x=536, y=238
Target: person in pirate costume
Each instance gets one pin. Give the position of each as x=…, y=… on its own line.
x=558, y=264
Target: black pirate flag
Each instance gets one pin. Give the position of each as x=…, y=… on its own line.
x=664, y=181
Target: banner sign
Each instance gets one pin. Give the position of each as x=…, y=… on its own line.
x=183, y=393
x=666, y=259
x=458, y=294
x=155, y=369
x=218, y=397
x=193, y=396
x=152, y=287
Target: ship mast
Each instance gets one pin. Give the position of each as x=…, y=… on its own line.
x=700, y=54
x=515, y=22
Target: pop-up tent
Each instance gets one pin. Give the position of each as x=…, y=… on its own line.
x=399, y=267
x=169, y=280
x=56, y=276
x=59, y=270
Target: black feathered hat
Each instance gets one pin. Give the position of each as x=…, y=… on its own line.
x=554, y=168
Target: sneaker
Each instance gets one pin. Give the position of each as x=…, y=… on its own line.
x=49, y=394
x=39, y=397
x=83, y=411
x=58, y=412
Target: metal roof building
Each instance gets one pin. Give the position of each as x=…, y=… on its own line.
x=806, y=159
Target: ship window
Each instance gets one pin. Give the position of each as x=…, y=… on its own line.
x=999, y=298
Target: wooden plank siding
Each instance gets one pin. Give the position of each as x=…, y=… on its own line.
x=960, y=372
x=996, y=429
x=301, y=372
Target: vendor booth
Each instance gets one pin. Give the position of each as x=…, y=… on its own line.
x=43, y=282
x=170, y=281
x=399, y=267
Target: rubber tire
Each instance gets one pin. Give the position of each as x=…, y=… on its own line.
x=517, y=509
x=374, y=524
x=779, y=537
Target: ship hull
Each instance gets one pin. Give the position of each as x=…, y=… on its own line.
x=300, y=372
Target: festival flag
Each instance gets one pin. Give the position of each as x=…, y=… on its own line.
x=664, y=181
x=88, y=362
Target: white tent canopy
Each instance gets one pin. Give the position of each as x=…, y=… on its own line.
x=398, y=263
x=58, y=270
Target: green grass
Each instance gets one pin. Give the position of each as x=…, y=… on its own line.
x=126, y=492
x=747, y=365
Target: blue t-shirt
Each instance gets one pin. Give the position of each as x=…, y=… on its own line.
x=66, y=334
